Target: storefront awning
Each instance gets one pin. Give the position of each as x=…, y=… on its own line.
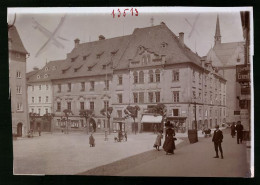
x=151, y=119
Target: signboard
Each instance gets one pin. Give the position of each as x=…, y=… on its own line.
x=245, y=90
x=243, y=73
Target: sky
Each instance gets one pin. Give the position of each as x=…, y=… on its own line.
x=88, y=24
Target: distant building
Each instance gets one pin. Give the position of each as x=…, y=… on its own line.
x=17, y=79
x=40, y=93
x=226, y=56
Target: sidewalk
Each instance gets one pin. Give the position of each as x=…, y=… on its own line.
x=196, y=160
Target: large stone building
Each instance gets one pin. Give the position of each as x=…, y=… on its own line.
x=148, y=67
x=226, y=56
x=17, y=79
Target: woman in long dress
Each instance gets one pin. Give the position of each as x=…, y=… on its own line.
x=158, y=141
x=169, y=144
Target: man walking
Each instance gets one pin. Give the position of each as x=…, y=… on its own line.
x=217, y=139
x=239, y=129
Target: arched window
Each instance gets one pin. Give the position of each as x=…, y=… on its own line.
x=135, y=77
x=151, y=76
x=157, y=75
x=141, y=77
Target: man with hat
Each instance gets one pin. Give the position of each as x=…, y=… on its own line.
x=217, y=139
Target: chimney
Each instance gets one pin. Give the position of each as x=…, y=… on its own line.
x=101, y=37
x=76, y=41
x=181, y=38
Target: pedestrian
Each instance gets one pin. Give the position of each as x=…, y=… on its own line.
x=120, y=136
x=91, y=140
x=239, y=129
x=39, y=131
x=155, y=129
x=169, y=144
x=217, y=139
x=233, y=130
x=158, y=140
x=125, y=136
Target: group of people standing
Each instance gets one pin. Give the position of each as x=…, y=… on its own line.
x=169, y=143
x=239, y=129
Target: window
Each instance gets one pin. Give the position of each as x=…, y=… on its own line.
x=39, y=111
x=135, y=77
x=17, y=55
x=47, y=87
x=82, y=86
x=135, y=97
x=175, y=75
x=46, y=68
x=32, y=99
x=38, y=76
x=194, y=94
x=175, y=112
x=141, y=97
x=32, y=110
x=119, y=113
x=40, y=87
x=150, y=97
x=18, y=74
x=92, y=106
x=47, y=99
x=120, y=80
x=82, y=106
x=92, y=86
x=106, y=84
x=106, y=104
x=59, y=87
x=18, y=89
x=148, y=58
x=200, y=111
x=69, y=105
x=120, y=98
x=46, y=111
x=19, y=106
x=220, y=111
x=32, y=88
x=58, y=106
x=200, y=95
x=84, y=57
x=175, y=96
x=45, y=75
x=157, y=75
x=40, y=99
x=141, y=77
x=69, y=87
x=157, y=96
x=151, y=76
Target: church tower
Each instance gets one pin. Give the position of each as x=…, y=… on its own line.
x=217, y=33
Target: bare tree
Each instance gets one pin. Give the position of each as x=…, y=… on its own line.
x=107, y=112
x=132, y=111
x=86, y=113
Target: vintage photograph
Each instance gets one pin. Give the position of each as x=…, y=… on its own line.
x=132, y=91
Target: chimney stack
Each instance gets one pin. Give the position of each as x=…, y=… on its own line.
x=181, y=38
x=101, y=37
x=76, y=41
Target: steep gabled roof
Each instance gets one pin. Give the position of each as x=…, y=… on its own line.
x=15, y=43
x=225, y=51
x=48, y=72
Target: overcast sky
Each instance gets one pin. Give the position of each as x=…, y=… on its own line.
x=87, y=26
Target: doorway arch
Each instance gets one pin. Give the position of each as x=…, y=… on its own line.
x=19, y=129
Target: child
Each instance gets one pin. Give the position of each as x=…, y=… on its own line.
x=91, y=140
x=159, y=137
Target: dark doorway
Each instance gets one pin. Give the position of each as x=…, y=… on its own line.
x=19, y=129
x=92, y=124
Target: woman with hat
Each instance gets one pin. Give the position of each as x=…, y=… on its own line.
x=169, y=144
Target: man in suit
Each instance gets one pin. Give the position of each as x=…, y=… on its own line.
x=239, y=129
x=217, y=139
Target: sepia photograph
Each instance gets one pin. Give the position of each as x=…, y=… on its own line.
x=132, y=91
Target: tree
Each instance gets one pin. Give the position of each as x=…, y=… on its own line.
x=66, y=112
x=132, y=111
x=48, y=117
x=107, y=112
x=86, y=113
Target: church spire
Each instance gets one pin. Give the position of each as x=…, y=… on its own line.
x=217, y=33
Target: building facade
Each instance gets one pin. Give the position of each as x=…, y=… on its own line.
x=17, y=81
x=226, y=56
x=150, y=66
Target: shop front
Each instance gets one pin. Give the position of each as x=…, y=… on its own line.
x=151, y=122
x=178, y=122
x=119, y=124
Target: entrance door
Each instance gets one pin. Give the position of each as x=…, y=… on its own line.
x=19, y=129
